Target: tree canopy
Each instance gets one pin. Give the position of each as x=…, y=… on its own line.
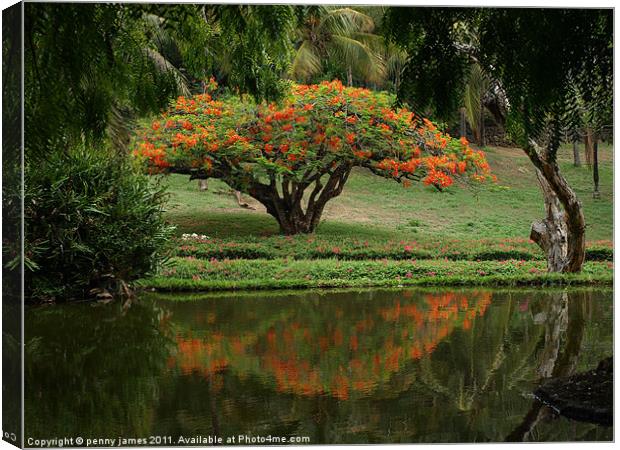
x=540, y=56
x=310, y=141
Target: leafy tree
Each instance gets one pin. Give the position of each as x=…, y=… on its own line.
x=254, y=47
x=299, y=154
x=131, y=58
x=538, y=56
x=89, y=69
x=73, y=84
x=591, y=116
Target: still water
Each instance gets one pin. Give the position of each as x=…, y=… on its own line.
x=371, y=366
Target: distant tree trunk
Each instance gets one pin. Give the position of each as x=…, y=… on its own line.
x=203, y=185
x=482, y=142
x=576, y=156
x=596, y=193
x=463, y=129
x=397, y=81
x=561, y=234
x=589, y=148
x=349, y=76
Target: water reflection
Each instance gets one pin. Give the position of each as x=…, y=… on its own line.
x=338, y=350
x=349, y=367
x=90, y=369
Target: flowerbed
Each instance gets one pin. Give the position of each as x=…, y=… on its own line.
x=309, y=247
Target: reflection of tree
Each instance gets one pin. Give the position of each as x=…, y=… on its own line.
x=474, y=360
x=355, y=353
x=470, y=376
x=92, y=370
x=561, y=315
x=468, y=383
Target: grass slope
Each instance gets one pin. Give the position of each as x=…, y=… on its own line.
x=375, y=219
x=371, y=207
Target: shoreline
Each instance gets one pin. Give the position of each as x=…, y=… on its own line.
x=195, y=275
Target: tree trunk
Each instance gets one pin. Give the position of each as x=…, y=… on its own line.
x=588, y=142
x=561, y=234
x=203, y=185
x=463, y=129
x=349, y=77
x=482, y=142
x=550, y=233
x=596, y=193
x=397, y=81
x=576, y=156
x=288, y=209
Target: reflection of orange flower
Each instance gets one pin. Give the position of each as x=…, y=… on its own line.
x=363, y=354
x=340, y=387
x=353, y=342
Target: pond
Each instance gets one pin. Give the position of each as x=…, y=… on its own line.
x=370, y=366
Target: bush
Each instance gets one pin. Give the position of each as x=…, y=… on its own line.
x=92, y=221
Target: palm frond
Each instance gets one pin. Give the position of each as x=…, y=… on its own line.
x=477, y=85
x=361, y=58
x=343, y=20
x=164, y=66
x=306, y=62
x=120, y=122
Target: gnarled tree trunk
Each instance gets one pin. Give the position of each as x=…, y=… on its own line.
x=561, y=234
x=550, y=233
x=288, y=208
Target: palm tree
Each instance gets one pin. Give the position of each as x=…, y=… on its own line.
x=341, y=36
x=476, y=87
x=395, y=60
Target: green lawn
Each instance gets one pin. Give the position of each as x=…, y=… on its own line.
x=374, y=208
x=373, y=233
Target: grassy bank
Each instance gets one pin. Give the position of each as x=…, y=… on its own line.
x=323, y=247
x=187, y=274
x=380, y=234
x=318, y=293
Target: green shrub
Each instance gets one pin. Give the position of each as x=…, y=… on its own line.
x=92, y=221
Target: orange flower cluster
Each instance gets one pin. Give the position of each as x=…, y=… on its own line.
x=155, y=156
x=315, y=129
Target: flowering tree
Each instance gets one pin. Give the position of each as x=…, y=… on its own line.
x=296, y=156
